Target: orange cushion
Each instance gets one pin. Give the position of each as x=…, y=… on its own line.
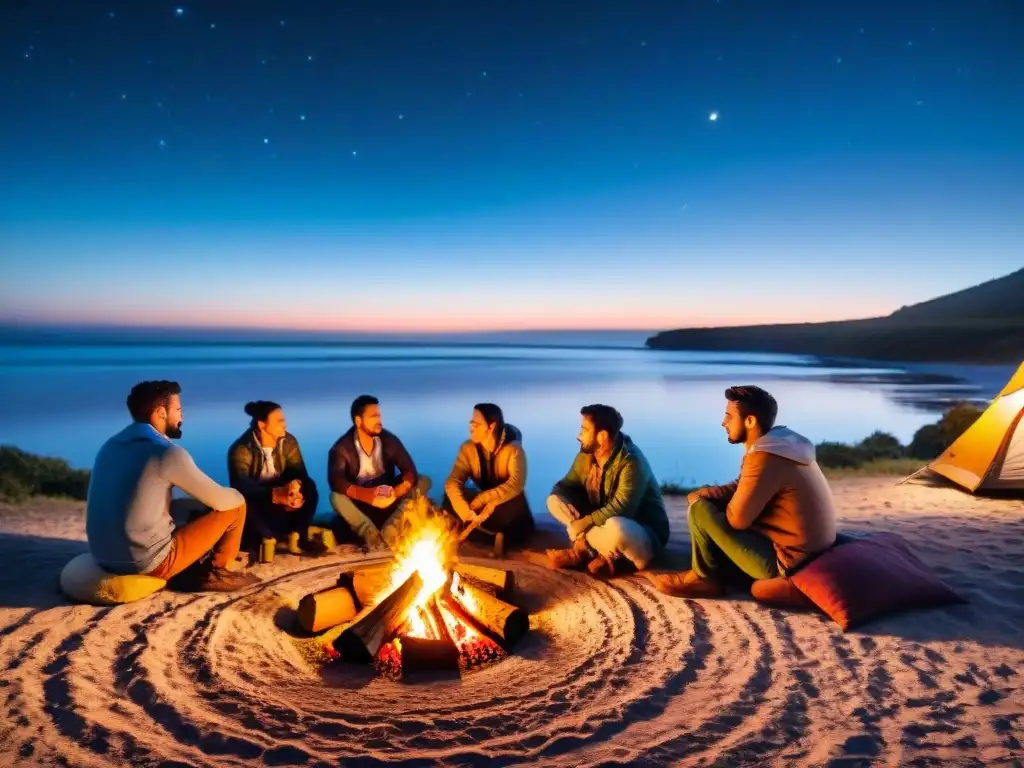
x=865, y=578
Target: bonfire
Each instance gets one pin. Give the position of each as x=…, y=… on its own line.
x=426, y=610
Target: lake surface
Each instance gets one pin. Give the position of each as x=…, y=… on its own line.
x=67, y=399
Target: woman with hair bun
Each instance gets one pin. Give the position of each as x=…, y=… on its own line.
x=266, y=466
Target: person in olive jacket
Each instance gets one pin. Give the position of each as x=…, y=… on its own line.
x=265, y=464
x=609, y=502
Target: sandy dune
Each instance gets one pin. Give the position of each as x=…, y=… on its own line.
x=612, y=673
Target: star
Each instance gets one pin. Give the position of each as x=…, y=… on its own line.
x=839, y=59
x=266, y=140
x=302, y=118
x=353, y=153
x=124, y=96
x=179, y=12
x=309, y=58
x=401, y=117
x=713, y=116
x=213, y=26
x=162, y=143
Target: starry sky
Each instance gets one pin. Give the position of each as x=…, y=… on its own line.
x=400, y=165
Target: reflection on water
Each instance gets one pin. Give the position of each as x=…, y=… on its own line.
x=66, y=400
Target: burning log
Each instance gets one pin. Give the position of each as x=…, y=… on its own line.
x=369, y=584
x=327, y=608
x=502, y=579
x=507, y=623
x=420, y=654
x=375, y=625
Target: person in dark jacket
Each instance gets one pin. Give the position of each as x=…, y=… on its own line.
x=266, y=465
x=493, y=460
x=369, y=472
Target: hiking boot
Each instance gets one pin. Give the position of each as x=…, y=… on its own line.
x=601, y=567
x=686, y=584
x=780, y=593
x=575, y=556
x=223, y=580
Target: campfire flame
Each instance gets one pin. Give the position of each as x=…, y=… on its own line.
x=426, y=544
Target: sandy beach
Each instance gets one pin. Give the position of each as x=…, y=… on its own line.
x=611, y=674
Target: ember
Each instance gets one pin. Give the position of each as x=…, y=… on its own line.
x=426, y=611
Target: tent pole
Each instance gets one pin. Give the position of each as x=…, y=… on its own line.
x=911, y=477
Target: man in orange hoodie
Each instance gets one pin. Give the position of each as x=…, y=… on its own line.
x=768, y=522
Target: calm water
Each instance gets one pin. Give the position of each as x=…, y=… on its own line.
x=66, y=400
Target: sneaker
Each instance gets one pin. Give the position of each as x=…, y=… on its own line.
x=223, y=580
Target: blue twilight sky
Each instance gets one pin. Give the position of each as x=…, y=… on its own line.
x=454, y=165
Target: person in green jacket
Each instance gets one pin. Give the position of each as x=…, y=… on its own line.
x=266, y=466
x=610, y=502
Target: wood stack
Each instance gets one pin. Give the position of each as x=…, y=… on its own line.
x=380, y=614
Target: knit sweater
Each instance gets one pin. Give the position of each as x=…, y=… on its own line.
x=128, y=509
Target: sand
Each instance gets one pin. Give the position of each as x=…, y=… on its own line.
x=611, y=674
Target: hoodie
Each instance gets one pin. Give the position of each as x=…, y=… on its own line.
x=500, y=476
x=128, y=507
x=782, y=493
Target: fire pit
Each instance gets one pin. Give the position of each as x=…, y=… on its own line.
x=426, y=611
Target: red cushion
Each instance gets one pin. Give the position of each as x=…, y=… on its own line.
x=858, y=581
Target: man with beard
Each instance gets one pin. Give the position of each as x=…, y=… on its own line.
x=609, y=502
x=128, y=519
x=369, y=471
x=776, y=516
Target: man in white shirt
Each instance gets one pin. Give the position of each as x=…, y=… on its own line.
x=128, y=520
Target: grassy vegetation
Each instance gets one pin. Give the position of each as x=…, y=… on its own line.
x=881, y=454
x=24, y=475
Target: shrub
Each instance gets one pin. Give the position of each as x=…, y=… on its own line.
x=956, y=421
x=838, y=455
x=880, y=445
x=932, y=439
x=24, y=474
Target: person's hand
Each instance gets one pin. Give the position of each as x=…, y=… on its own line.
x=578, y=527
x=488, y=509
x=694, y=496
x=401, y=489
x=476, y=504
x=383, y=502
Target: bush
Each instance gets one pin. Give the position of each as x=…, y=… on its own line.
x=838, y=455
x=880, y=445
x=24, y=474
x=932, y=439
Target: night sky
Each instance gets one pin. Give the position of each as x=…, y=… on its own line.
x=413, y=165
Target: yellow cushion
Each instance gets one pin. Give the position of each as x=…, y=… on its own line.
x=83, y=579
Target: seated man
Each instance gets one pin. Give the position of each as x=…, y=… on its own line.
x=610, y=502
x=127, y=515
x=494, y=460
x=776, y=515
x=266, y=465
x=369, y=470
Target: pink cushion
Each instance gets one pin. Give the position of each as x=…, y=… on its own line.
x=858, y=581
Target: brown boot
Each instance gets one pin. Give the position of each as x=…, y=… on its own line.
x=576, y=556
x=780, y=593
x=223, y=580
x=601, y=567
x=686, y=584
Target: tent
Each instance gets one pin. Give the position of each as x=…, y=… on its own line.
x=990, y=454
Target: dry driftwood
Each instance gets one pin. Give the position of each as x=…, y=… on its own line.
x=507, y=623
x=420, y=654
x=499, y=577
x=369, y=584
x=327, y=608
x=375, y=625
